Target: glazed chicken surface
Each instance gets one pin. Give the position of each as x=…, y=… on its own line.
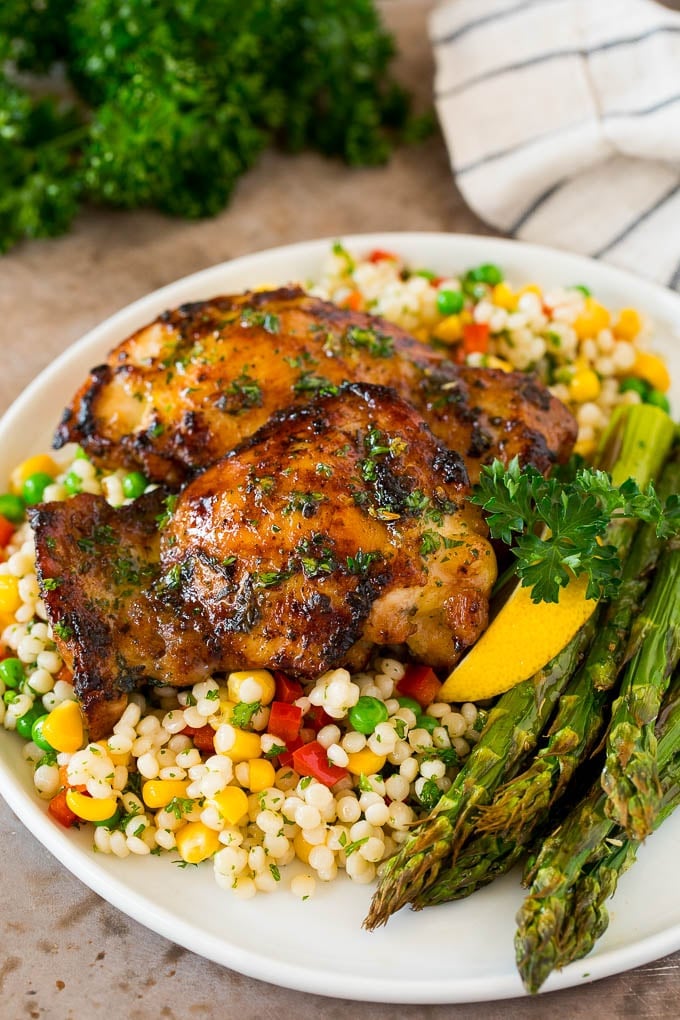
x=341, y=524
x=178, y=394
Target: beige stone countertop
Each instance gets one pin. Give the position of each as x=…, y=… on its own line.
x=67, y=954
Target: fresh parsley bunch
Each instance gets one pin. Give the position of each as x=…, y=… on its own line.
x=557, y=529
x=172, y=100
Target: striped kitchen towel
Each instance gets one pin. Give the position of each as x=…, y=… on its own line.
x=562, y=119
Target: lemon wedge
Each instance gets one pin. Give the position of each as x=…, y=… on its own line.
x=522, y=638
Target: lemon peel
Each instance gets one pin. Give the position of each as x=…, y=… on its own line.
x=522, y=638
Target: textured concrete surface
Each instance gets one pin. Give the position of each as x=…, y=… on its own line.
x=67, y=954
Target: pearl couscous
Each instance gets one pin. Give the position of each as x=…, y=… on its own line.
x=252, y=771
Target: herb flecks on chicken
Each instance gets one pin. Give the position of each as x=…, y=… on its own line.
x=340, y=525
x=178, y=394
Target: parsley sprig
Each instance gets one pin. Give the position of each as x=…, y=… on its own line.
x=559, y=529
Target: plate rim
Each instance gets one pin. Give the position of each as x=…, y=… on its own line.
x=84, y=865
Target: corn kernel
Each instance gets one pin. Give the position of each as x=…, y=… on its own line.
x=652, y=369
x=492, y=361
x=449, y=330
x=592, y=319
x=157, y=793
x=422, y=334
x=584, y=386
x=117, y=759
x=41, y=462
x=628, y=324
x=91, y=809
x=231, y=803
x=246, y=745
x=302, y=848
x=196, y=842
x=63, y=729
x=503, y=296
x=585, y=448
x=530, y=288
x=261, y=775
x=10, y=599
x=365, y=762
x=261, y=676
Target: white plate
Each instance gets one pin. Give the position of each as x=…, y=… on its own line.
x=456, y=953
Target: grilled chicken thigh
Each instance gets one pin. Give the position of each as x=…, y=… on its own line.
x=339, y=525
x=180, y=393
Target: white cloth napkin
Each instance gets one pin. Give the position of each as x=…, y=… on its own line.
x=562, y=119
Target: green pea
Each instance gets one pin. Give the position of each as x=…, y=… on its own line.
x=9, y=696
x=12, y=507
x=367, y=714
x=37, y=734
x=427, y=722
x=426, y=273
x=411, y=703
x=12, y=673
x=80, y=454
x=658, y=399
x=636, y=386
x=134, y=485
x=73, y=483
x=450, y=302
x=486, y=273
x=110, y=823
x=26, y=721
x=34, y=487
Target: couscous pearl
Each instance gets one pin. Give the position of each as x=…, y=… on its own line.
x=337, y=755
x=244, y=888
x=46, y=780
x=303, y=886
x=354, y=742
x=348, y=809
x=49, y=661
x=378, y=814
x=433, y=769
x=328, y=735
x=461, y=747
x=147, y=765
x=41, y=681
x=455, y=723
x=321, y=858
x=397, y=787
x=468, y=712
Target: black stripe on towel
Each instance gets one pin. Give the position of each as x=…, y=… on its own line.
x=487, y=19
x=634, y=224
x=616, y=114
x=546, y=58
x=535, y=206
x=674, y=281
x=511, y=149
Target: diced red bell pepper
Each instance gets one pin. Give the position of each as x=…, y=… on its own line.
x=286, y=758
x=316, y=718
x=7, y=529
x=476, y=337
x=204, y=739
x=312, y=760
x=421, y=683
x=286, y=689
x=284, y=721
x=380, y=255
x=60, y=811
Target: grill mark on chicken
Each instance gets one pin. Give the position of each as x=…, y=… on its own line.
x=178, y=394
x=243, y=574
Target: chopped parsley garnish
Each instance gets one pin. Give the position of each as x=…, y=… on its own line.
x=315, y=384
x=179, y=807
x=51, y=583
x=169, y=504
x=520, y=502
x=252, y=317
x=62, y=630
x=430, y=795
x=242, y=714
x=360, y=563
x=378, y=344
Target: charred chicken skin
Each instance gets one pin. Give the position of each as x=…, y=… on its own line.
x=339, y=525
x=178, y=394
